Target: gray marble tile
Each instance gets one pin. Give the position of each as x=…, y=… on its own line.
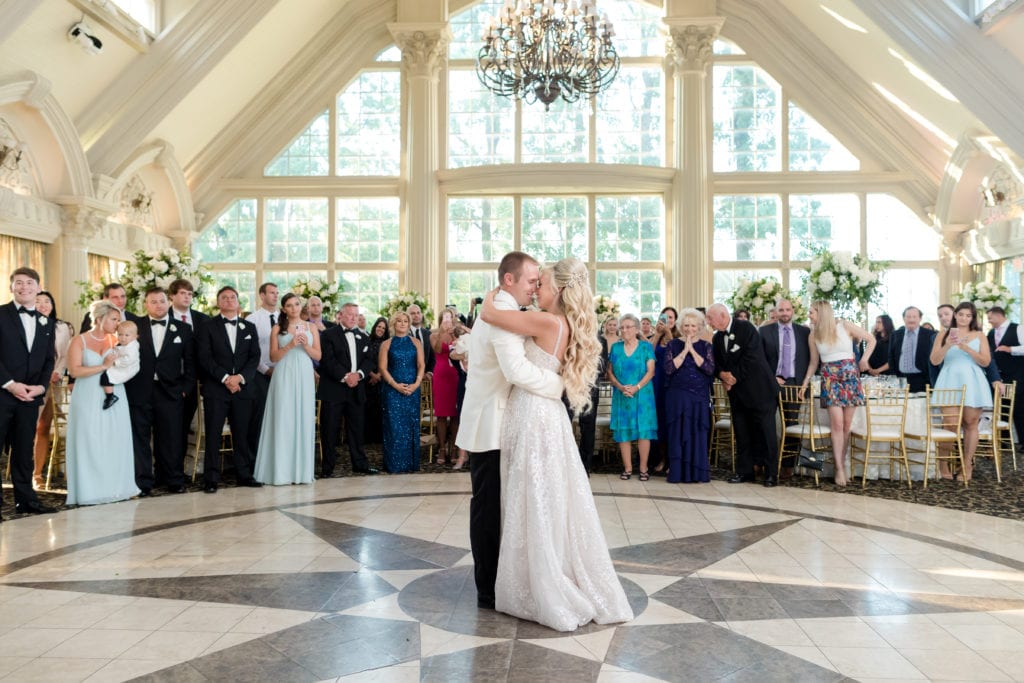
x=749, y=609
x=534, y=663
x=487, y=663
x=808, y=609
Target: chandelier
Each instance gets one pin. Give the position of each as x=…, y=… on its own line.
x=546, y=49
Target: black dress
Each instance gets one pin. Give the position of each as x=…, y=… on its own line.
x=373, y=426
x=880, y=356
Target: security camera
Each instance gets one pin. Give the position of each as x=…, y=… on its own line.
x=83, y=35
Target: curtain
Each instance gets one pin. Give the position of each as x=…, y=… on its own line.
x=15, y=253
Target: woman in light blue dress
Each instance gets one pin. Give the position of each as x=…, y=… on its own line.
x=286, y=453
x=100, y=460
x=963, y=351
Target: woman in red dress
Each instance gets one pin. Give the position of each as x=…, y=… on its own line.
x=445, y=385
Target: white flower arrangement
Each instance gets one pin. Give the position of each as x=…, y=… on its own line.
x=154, y=269
x=606, y=308
x=985, y=295
x=403, y=300
x=848, y=281
x=329, y=292
x=758, y=298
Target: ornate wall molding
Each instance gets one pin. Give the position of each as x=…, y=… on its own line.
x=29, y=217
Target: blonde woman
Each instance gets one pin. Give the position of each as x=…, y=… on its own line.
x=832, y=343
x=553, y=565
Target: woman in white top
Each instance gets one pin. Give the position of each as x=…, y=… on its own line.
x=832, y=343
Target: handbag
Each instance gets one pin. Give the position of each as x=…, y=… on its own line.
x=811, y=460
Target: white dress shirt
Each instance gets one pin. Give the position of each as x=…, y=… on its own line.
x=29, y=323
x=261, y=319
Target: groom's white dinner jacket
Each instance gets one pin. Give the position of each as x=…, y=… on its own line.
x=497, y=360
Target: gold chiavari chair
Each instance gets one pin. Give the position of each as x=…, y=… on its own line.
x=199, y=450
x=604, y=441
x=428, y=421
x=722, y=435
x=886, y=414
x=1002, y=426
x=942, y=438
x=58, y=439
x=800, y=428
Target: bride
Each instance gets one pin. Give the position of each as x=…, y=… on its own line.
x=553, y=567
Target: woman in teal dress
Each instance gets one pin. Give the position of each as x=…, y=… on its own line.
x=286, y=452
x=401, y=369
x=634, y=414
x=100, y=459
x=963, y=351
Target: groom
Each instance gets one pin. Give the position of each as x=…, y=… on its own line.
x=498, y=360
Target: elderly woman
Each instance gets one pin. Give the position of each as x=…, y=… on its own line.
x=689, y=370
x=63, y=331
x=631, y=372
x=665, y=331
x=401, y=369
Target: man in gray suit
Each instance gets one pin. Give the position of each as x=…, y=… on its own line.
x=787, y=349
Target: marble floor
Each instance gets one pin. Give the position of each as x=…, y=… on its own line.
x=369, y=579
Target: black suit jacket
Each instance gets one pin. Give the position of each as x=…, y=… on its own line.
x=174, y=366
x=336, y=362
x=428, y=353
x=925, y=339
x=755, y=388
x=1011, y=367
x=217, y=360
x=17, y=362
x=801, y=350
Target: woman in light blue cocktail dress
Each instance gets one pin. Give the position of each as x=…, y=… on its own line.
x=286, y=453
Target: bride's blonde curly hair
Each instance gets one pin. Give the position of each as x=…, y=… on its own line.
x=583, y=352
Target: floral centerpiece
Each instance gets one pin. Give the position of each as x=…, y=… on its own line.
x=758, y=298
x=605, y=308
x=985, y=295
x=155, y=269
x=848, y=281
x=328, y=292
x=404, y=300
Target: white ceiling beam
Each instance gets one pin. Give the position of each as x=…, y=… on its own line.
x=979, y=72
x=120, y=118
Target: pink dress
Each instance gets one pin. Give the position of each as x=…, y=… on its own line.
x=446, y=384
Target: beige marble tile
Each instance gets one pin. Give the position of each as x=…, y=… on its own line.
x=118, y=670
x=96, y=643
x=266, y=620
x=47, y=670
x=205, y=617
x=954, y=665
x=176, y=646
x=873, y=662
x=33, y=642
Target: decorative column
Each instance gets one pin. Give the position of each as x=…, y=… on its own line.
x=69, y=255
x=689, y=61
x=424, y=54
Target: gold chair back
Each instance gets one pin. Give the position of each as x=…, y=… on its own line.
x=722, y=436
x=428, y=421
x=942, y=434
x=885, y=419
x=61, y=398
x=199, y=449
x=604, y=441
x=800, y=428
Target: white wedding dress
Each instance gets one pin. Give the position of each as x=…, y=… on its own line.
x=553, y=567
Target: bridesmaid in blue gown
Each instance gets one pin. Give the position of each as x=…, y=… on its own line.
x=286, y=452
x=100, y=459
x=689, y=366
x=401, y=367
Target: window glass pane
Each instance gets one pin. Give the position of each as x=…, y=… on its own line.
x=555, y=228
x=296, y=231
x=479, y=228
x=242, y=280
x=1011, y=271
x=369, y=125
x=812, y=148
x=896, y=233
x=468, y=27
x=638, y=28
x=306, y=155
x=630, y=228
x=285, y=279
x=641, y=292
x=368, y=288
x=390, y=54
x=747, y=228
x=722, y=46
x=558, y=135
x=630, y=125
x=232, y=239
x=725, y=282
x=481, y=125
x=142, y=11
x=902, y=287
x=465, y=285
x=747, y=119
x=367, y=230
x=829, y=221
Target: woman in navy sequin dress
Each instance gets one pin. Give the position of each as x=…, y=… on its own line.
x=689, y=367
x=401, y=368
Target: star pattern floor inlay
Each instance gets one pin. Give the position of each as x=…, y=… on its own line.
x=377, y=584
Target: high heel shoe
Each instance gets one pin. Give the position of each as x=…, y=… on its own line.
x=459, y=464
x=38, y=482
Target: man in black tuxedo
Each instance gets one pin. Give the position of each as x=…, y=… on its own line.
x=228, y=349
x=181, y=294
x=910, y=349
x=788, y=352
x=1005, y=344
x=26, y=363
x=345, y=364
x=156, y=395
x=418, y=331
x=115, y=294
x=753, y=393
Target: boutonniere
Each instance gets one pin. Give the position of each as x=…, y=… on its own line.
x=44, y=321
x=731, y=337
x=241, y=325
x=173, y=328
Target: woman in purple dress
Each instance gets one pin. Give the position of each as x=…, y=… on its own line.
x=689, y=367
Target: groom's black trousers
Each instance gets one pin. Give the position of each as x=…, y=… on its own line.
x=485, y=521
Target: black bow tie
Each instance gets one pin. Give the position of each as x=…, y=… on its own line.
x=157, y=322
x=351, y=331
x=26, y=311
x=231, y=322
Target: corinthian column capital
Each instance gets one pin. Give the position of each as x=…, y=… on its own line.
x=424, y=47
x=82, y=224
x=691, y=41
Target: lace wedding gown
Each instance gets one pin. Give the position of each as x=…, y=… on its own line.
x=554, y=567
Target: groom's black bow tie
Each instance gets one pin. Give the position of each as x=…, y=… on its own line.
x=231, y=322
x=157, y=322
x=26, y=311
